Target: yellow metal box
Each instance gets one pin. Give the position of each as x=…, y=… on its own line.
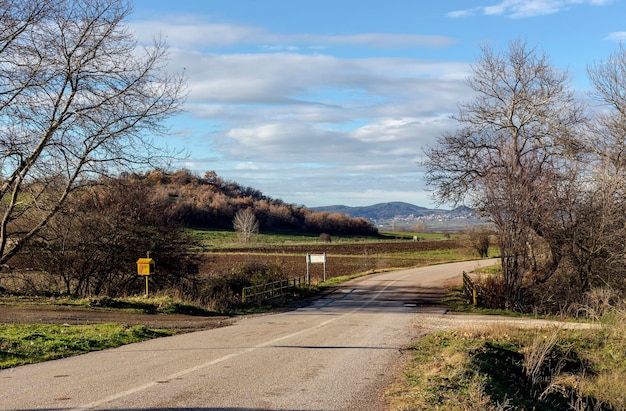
x=145, y=266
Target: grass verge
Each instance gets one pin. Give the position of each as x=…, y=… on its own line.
x=30, y=343
x=506, y=368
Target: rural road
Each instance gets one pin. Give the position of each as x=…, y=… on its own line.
x=336, y=354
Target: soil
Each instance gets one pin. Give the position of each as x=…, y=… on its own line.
x=48, y=314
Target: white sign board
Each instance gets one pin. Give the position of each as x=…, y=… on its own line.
x=316, y=258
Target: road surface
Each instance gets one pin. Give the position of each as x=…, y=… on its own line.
x=336, y=354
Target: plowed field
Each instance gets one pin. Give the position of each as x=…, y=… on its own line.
x=341, y=259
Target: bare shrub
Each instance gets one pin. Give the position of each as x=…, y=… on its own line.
x=479, y=238
x=491, y=291
x=258, y=272
x=223, y=292
x=91, y=245
x=559, y=294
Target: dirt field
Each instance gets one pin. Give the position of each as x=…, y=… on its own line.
x=46, y=314
x=343, y=259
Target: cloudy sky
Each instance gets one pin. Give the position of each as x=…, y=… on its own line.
x=322, y=102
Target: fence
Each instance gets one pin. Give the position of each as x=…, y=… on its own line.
x=270, y=290
x=471, y=289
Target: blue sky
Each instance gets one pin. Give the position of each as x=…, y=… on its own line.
x=332, y=102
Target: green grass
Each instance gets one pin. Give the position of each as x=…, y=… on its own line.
x=228, y=238
x=136, y=304
x=444, y=254
x=408, y=235
x=35, y=300
x=492, y=269
x=30, y=343
x=210, y=238
x=215, y=239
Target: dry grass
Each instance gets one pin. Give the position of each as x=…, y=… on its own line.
x=501, y=367
x=535, y=357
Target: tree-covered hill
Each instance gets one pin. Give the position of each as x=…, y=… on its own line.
x=211, y=202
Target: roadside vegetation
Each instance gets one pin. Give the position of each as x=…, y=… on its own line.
x=30, y=343
x=501, y=368
x=577, y=365
x=507, y=368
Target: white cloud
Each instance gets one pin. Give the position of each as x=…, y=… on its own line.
x=301, y=79
x=518, y=9
x=463, y=13
x=291, y=123
x=377, y=40
x=616, y=36
x=191, y=32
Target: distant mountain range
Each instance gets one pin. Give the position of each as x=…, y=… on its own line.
x=393, y=209
x=399, y=214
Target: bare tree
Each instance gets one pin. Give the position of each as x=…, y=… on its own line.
x=246, y=225
x=89, y=247
x=599, y=253
x=609, y=81
x=506, y=158
x=78, y=98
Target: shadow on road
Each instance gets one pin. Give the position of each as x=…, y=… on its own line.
x=390, y=297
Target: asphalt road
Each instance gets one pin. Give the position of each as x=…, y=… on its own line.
x=337, y=354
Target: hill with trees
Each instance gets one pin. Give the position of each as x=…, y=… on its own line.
x=211, y=202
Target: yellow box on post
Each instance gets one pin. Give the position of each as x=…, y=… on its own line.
x=145, y=266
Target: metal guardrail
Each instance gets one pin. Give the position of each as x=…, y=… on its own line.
x=271, y=290
x=471, y=290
